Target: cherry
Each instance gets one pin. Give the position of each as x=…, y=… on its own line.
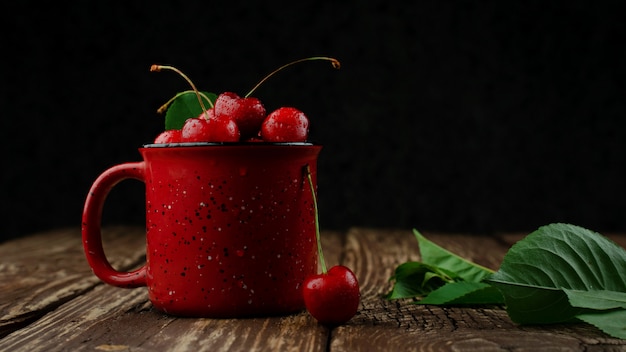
x=169, y=136
x=224, y=130
x=294, y=126
x=196, y=130
x=214, y=129
x=331, y=297
x=247, y=112
x=286, y=124
x=233, y=118
x=208, y=115
x=208, y=127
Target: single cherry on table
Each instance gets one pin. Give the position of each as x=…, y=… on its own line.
x=332, y=297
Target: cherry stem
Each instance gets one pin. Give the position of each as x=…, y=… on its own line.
x=317, y=221
x=159, y=68
x=336, y=64
x=164, y=107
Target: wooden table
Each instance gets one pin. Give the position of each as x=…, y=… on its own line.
x=50, y=301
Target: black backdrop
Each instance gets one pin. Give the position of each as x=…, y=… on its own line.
x=452, y=116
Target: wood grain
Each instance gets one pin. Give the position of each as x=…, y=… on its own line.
x=109, y=318
x=383, y=325
x=42, y=271
x=52, y=302
x=113, y=319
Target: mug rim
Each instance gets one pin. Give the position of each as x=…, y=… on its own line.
x=223, y=144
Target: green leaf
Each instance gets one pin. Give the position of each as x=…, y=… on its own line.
x=435, y=255
x=464, y=293
x=559, y=273
x=611, y=322
x=438, y=269
x=415, y=279
x=536, y=270
x=184, y=106
x=535, y=304
x=597, y=299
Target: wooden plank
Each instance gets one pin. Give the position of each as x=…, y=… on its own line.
x=40, y=272
x=109, y=318
x=71, y=320
x=290, y=333
x=383, y=325
x=105, y=318
x=375, y=253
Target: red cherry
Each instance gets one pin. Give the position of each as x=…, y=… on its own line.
x=207, y=115
x=169, y=136
x=196, y=130
x=210, y=130
x=332, y=298
x=247, y=112
x=285, y=124
x=224, y=129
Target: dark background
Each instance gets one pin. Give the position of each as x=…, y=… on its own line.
x=449, y=116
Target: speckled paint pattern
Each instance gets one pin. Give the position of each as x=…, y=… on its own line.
x=230, y=228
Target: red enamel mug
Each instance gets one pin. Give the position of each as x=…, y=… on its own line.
x=230, y=228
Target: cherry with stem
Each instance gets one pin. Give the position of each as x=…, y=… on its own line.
x=331, y=297
x=201, y=129
x=317, y=221
x=159, y=68
x=166, y=105
x=336, y=64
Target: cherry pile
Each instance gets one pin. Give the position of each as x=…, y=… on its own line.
x=235, y=119
x=232, y=118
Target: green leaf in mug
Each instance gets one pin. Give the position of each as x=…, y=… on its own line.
x=185, y=105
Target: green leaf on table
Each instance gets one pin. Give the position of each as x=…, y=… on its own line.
x=436, y=255
x=184, y=106
x=464, y=293
x=442, y=277
x=596, y=299
x=538, y=272
x=415, y=279
x=536, y=304
x=612, y=322
x=559, y=273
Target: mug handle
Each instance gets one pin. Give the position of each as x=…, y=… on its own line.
x=91, y=226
